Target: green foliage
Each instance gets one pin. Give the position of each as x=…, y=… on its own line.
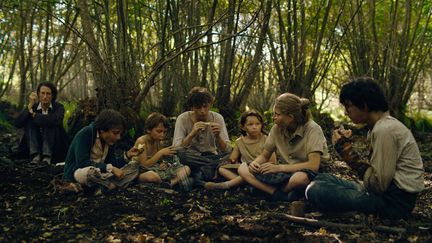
x=132, y=132
x=166, y=202
x=69, y=110
x=143, y=113
x=233, y=126
x=5, y=125
x=268, y=120
x=420, y=122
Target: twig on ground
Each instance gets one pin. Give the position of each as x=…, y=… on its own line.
x=322, y=223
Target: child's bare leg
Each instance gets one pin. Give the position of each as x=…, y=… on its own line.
x=181, y=174
x=224, y=185
x=298, y=180
x=233, y=180
x=250, y=178
x=227, y=173
x=149, y=176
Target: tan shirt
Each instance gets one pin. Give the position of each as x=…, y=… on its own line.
x=295, y=148
x=394, y=157
x=249, y=151
x=99, y=152
x=205, y=141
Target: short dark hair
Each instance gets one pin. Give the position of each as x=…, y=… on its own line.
x=198, y=97
x=51, y=86
x=362, y=92
x=248, y=113
x=154, y=119
x=109, y=119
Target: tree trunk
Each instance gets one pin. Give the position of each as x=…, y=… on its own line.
x=103, y=75
x=227, y=59
x=253, y=68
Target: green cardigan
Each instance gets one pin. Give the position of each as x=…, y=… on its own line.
x=79, y=152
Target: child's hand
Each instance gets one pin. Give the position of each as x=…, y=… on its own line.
x=134, y=151
x=163, y=166
x=198, y=127
x=215, y=128
x=118, y=172
x=269, y=168
x=168, y=151
x=140, y=147
x=339, y=133
x=255, y=167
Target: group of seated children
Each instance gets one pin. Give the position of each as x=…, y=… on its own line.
x=283, y=164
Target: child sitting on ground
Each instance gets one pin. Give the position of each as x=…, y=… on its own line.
x=159, y=165
x=300, y=145
x=91, y=158
x=246, y=149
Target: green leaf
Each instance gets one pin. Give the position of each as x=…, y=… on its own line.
x=132, y=132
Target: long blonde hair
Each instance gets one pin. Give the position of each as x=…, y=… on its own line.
x=291, y=104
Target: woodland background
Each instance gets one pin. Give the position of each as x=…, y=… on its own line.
x=140, y=56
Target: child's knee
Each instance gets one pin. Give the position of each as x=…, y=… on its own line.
x=221, y=170
x=316, y=192
x=243, y=170
x=185, y=170
x=149, y=177
x=299, y=180
x=83, y=175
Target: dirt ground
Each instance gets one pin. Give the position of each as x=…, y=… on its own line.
x=33, y=209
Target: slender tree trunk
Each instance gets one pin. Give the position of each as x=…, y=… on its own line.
x=103, y=75
x=227, y=59
x=253, y=68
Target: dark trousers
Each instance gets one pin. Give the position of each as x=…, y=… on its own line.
x=330, y=193
x=203, y=165
x=40, y=139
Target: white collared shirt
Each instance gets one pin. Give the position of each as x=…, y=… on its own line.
x=44, y=112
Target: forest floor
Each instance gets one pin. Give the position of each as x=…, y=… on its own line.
x=33, y=209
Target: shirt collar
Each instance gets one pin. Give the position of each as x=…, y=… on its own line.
x=40, y=106
x=299, y=132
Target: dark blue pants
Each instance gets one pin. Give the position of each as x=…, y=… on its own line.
x=330, y=193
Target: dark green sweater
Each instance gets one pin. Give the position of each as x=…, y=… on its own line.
x=79, y=152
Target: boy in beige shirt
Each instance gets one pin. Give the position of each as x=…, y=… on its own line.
x=392, y=176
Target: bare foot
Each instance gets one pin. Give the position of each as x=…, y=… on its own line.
x=111, y=186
